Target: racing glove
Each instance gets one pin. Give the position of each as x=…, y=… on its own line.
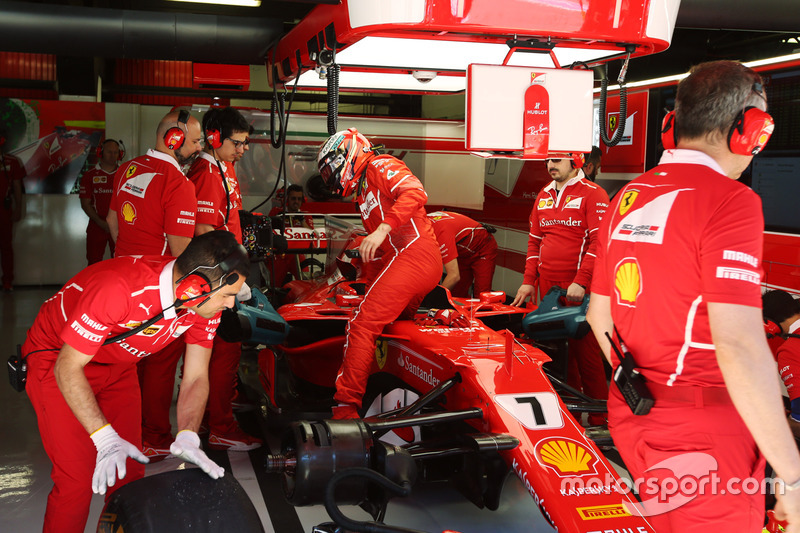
x=187, y=447
x=112, y=451
x=445, y=317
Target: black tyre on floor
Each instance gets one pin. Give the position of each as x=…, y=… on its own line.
x=182, y=500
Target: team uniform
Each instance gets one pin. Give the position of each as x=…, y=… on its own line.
x=97, y=185
x=11, y=170
x=281, y=265
x=408, y=266
x=473, y=247
x=152, y=199
x=789, y=366
x=562, y=248
x=103, y=300
x=218, y=203
x=679, y=237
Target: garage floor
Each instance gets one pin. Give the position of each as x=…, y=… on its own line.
x=25, y=469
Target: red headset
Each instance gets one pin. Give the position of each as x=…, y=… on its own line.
x=120, y=145
x=213, y=131
x=176, y=136
x=749, y=133
x=194, y=288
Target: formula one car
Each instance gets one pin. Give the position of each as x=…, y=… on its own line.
x=455, y=395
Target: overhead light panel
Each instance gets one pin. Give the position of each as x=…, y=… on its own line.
x=239, y=3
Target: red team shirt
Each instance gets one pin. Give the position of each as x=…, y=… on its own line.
x=212, y=200
x=152, y=199
x=789, y=366
x=658, y=298
x=107, y=299
x=458, y=235
x=98, y=186
x=380, y=200
x=10, y=169
x=563, y=232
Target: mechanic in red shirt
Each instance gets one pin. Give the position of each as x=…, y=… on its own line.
x=400, y=253
x=218, y=203
x=678, y=279
x=784, y=310
x=152, y=212
x=96, y=189
x=281, y=265
x=561, y=252
x=85, y=392
x=153, y=207
x=11, y=176
x=468, y=251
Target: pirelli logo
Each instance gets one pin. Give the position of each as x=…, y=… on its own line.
x=603, y=511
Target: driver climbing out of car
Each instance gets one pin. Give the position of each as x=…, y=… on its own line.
x=400, y=253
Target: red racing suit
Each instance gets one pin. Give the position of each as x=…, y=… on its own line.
x=103, y=300
x=218, y=205
x=561, y=250
x=789, y=367
x=473, y=247
x=677, y=238
x=11, y=169
x=152, y=199
x=98, y=186
x=409, y=267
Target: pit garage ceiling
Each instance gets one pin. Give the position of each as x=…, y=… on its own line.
x=160, y=29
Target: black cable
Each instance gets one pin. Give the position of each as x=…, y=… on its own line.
x=333, y=98
x=623, y=107
x=227, y=190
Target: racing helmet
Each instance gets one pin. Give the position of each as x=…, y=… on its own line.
x=341, y=160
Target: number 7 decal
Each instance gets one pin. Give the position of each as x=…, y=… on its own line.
x=534, y=410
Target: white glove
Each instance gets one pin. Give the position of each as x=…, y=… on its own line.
x=187, y=447
x=244, y=293
x=112, y=451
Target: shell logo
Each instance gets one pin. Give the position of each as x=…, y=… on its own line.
x=128, y=213
x=628, y=281
x=566, y=457
x=627, y=201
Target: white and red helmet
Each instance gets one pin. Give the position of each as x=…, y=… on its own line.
x=342, y=159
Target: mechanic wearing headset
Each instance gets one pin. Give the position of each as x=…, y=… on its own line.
x=783, y=309
x=678, y=280
x=400, y=254
x=85, y=392
x=96, y=189
x=468, y=251
x=218, y=203
x=152, y=212
x=153, y=207
x=561, y=252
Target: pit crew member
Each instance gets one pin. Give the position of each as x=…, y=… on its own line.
x=678, y=280
x=400, y=253
x=218, y=203
x=784, y=310
x=86, y=394
x=153, y=207
x=11, y=177
x=468, y=250
x=561, y=252
x=96, y=189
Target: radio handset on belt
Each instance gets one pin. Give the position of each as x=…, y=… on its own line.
x=629, y=381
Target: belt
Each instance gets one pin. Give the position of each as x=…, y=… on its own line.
x=699, y=396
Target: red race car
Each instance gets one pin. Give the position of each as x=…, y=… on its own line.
x=454, y=395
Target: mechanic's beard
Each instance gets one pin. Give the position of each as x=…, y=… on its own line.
x=186, y=160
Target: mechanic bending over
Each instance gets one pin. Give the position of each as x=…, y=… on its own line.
x=400, y=255
x=85, y=392
x=678, y=281
x=783, y=309
x=469, y=252
x=562, y=246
